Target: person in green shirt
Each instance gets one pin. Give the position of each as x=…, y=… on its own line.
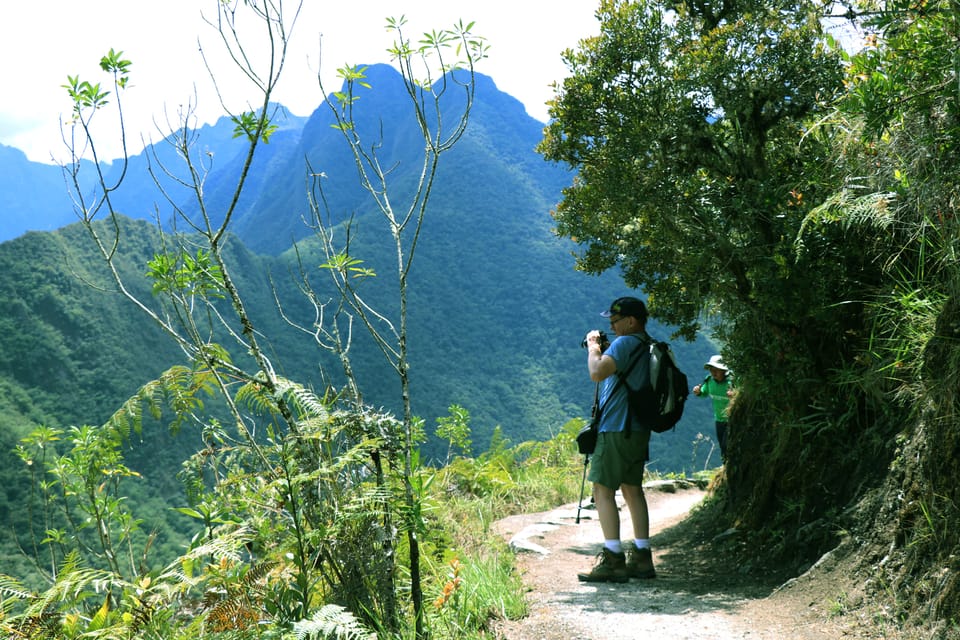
x=718, y=386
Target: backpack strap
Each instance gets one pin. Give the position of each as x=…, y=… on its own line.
x=638, y=351
x=622, y=379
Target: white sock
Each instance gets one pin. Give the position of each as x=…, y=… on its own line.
x=613, y=546
x=641, y=543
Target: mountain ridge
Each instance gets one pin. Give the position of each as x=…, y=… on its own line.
x=492, y=285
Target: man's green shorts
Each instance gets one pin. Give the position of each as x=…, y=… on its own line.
x=619, y=458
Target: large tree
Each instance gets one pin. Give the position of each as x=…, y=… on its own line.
x=686, y=123
x=697, y=132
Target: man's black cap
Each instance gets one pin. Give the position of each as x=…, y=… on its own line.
x=627, y=306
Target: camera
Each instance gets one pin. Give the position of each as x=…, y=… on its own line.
x=604, y=341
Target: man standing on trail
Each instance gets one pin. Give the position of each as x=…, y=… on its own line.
x=622, y=450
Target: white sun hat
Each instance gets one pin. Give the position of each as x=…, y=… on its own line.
x=716, y=362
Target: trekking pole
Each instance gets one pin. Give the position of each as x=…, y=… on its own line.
x=586, y=458
x=583, y=483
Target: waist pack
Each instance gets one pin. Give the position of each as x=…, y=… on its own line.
x=587, y=437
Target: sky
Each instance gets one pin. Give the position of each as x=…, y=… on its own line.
x=41, y=43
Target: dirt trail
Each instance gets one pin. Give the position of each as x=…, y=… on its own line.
x=687, y=600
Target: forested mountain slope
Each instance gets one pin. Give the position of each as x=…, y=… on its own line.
x=497, y=311
x=493, y=287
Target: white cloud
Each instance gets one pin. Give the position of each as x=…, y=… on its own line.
x=42, y=43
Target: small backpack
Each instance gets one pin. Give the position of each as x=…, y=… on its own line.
x=657, y=403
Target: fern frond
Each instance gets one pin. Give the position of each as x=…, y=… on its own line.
x=129, y=417
x=239, y=610
x=254, y=396
x=332, y=622
x=180, y=385
x=11, y=587
x=74, y=583
x=230, y=545
x=233, y=613
x=849, y=209
x=33, y=627
x=308, y=403
x=174, y=580
x=369, y=500
x=258, y=572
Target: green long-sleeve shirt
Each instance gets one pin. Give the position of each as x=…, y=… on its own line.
x=717, y=392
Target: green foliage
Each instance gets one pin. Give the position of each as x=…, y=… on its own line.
x=186, y=275
x=252, y=127
x=816, y=218
x=84, y=94
x=86, y=510
x=476, y=591
x=902, y=115
x=710, y=144
x=332, y=621
x=113, y=63
x=85, y=602
x=530, y=476
x=347, y=267
x=241, y=569
x=455, y=429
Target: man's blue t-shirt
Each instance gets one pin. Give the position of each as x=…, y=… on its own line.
x=622, y=349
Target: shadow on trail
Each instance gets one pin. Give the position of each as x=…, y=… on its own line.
x=697, y=572
x=694, y=557
x=660, y=596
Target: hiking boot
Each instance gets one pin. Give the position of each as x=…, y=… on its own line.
x=610, y=567
x=640, y=564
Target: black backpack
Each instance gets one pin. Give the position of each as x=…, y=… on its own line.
x=657, y=403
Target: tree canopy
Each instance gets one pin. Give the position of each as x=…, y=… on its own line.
x=686, y=122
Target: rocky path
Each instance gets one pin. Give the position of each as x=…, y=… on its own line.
x=687, y=600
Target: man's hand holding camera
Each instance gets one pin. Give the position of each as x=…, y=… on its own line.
x=595, y=338
x=593, y=342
